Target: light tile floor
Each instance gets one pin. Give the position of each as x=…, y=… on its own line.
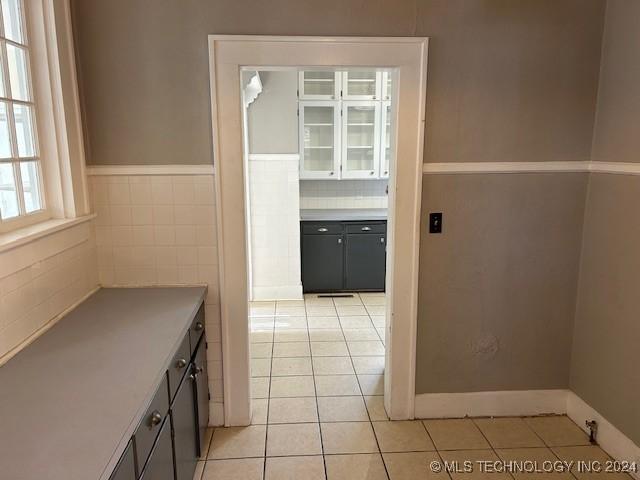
x=318, y=413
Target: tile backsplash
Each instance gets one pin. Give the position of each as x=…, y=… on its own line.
x=161, y=230
x=48, y=276
x=327, y=194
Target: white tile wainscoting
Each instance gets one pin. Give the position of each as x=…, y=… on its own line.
x=160, y=229
x=330, y=194
x=40, y=280
x=274, y=211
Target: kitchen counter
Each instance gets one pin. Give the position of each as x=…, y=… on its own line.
x=70, y=401
x=343, y=214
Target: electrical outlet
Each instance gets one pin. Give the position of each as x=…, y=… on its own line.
x=435, y=222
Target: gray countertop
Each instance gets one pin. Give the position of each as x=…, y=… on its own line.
x=70, y=401
x=343, y=214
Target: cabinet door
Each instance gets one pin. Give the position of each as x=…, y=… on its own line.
x=360, y=139
x=201, y=393
x=365, y=261
x=319, y=139
x=322, y=263
x=385, y=141
x=361, y=85
x=126, y=469
x=160, y=464
x=183, y=417
x=319, y=85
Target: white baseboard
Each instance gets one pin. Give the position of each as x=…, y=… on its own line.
x=612, y=440
x=490, y=404
x=282, y=292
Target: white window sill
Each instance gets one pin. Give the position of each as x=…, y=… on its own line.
x=22, y=236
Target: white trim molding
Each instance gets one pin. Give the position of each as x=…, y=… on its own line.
x=531, y=167
x=99, y=170
x=407, y=57
x=612, y=440
x=491, y=404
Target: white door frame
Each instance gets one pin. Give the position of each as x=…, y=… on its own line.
x=408, y=56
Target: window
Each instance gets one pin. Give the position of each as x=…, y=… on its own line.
x=21, y=183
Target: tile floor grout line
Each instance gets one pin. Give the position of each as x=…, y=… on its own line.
x=365, y=406
x=266, y=421
x=315, y=391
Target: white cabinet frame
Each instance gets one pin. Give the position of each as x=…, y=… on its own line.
x=306, y=173
x=383, y=167
x=303, y=95
x=385, y=93
x=364, y=174
x=375, y=96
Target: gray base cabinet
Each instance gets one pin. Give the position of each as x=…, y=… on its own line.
x=343, y=256
x=184, y=419
x=160, y=463
x=170, y=437
x=201, y=394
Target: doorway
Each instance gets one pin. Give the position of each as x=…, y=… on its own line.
x=229, y=57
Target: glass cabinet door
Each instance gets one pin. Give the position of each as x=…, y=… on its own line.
x=319, y=85
x=360, y=139
x=385, y=142
x=361, y=85
x=319, y=136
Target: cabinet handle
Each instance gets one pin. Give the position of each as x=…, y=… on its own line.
x=155, y=419
x=381, y=239
x=386, y=172
x=340, y=241
x=330, y=173
x=197, y=370
x=323, y=229
x=199, y=326
x=181, y=363
x=366, y=229
x=372, y=173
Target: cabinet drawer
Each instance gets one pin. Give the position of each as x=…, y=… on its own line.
x=367, y=227
x=321, y=228
x=179, y=366
x=160, y=465
x=149, y=427
x=196, y=329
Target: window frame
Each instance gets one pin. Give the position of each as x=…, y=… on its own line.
x=23, y=218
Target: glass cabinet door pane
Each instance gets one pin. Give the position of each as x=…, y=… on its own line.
x=361, y=84
x=318, y=138
x=319, y=84
x=360, y=138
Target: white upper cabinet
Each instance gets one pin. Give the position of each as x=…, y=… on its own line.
x=319, y=139
x=345, y=124
x=360, y=139
x=385, y=140
x=361, y=85
x=319, y=85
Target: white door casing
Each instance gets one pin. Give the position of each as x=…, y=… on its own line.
x=408, y=59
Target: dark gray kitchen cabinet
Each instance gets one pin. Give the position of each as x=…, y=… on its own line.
x=343, y=256
x=160, y=463
x=322, y=261
x=126, y=469
x=184, y=421
x=365, y=259
x=201, y=395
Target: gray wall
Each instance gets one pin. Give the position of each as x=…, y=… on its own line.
x=508, y=80
x=607, y=331
x=498, y=286
x=273, y=117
